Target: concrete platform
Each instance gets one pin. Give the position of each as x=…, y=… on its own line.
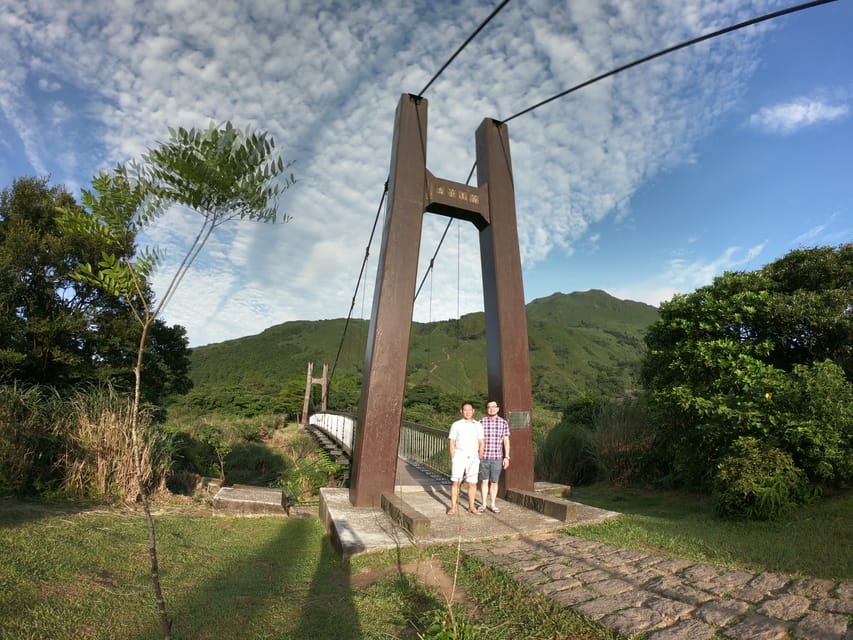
x=360, y=530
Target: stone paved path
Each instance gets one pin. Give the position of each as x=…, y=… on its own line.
x=633, y=592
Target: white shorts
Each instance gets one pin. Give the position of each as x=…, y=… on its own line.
x=464, y=467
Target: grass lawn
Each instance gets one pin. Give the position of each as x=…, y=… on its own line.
x=816, y=540
x=69, y=571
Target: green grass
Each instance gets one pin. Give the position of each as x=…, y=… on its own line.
x=814, y=541
x=69, y=572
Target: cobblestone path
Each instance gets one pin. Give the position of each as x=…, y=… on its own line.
x=633, y=592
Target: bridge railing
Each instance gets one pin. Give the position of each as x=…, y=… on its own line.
x=423, y=445
x=339, y=426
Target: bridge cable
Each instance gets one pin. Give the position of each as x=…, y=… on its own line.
x=708, y=36
x=358, y=282
x=464, y=44
x=367, y=251
x=662, y=52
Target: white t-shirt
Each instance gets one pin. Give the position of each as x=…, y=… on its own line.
x=467, y=436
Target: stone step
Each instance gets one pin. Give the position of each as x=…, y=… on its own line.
x=244, y=500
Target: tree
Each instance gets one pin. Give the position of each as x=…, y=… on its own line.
x=763, y=354
x=55, y=330
x=221, y=174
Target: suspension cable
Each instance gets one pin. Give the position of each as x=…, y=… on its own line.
x=687, y=43
x=440, y=242
x=358, y=282
x=464, y=44
x=662, y=52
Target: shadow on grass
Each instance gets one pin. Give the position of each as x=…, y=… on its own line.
x=292, y=586
x=16, y=510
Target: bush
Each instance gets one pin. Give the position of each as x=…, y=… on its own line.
x=310, y=469
x=568, y=456
x=623, y=440
x=758, y=482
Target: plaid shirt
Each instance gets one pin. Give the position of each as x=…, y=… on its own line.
x=495, y=429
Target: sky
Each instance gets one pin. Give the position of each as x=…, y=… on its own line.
x=723, y=156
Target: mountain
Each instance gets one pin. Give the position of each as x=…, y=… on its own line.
x=580, y=343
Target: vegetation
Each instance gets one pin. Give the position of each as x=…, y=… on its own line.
x=580, y=344
x=810, y=541
x=66, y=574
x=765, y=355
x=220, y=174
x=59, y=332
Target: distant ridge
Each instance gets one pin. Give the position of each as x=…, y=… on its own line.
x=580, y=343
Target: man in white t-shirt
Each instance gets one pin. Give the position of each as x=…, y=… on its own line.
x=467, y=443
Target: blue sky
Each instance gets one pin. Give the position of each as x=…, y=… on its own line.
x=723, y=156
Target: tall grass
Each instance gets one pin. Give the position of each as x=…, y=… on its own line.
x=28, y=442
x=98, y=458
x=76, y=446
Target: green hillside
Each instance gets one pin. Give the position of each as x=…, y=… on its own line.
x=580, y=343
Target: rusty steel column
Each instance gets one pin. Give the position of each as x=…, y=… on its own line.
x=508, y=357
x=374, y=466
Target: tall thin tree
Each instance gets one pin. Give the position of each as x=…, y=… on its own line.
x=220, y=173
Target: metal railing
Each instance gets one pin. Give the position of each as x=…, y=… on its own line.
x=425, y=446
x=339, y=426
x=422, y=445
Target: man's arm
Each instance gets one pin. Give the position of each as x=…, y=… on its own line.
x=452, y=445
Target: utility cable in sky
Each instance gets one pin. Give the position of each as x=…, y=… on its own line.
x=662, y=52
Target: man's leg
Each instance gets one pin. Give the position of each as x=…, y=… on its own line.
x=493, y=493
x=454, y=496
x=472, y=497
x=484, y=491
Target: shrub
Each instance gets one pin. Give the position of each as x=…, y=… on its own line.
x=303, y=480
x=758, y=482
x=251, y=463
x=623, y=440
x=568, y=456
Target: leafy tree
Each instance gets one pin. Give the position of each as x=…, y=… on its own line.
x=762, y=354
x=292, y=396
x=221, y=174
x=57, y=331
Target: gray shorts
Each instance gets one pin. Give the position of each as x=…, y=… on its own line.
x=491, y=469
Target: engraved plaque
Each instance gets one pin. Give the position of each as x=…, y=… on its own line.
x=519, y=420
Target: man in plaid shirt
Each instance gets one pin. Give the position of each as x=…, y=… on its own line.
x=495, y=456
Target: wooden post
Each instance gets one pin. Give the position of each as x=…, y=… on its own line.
x=309, y=385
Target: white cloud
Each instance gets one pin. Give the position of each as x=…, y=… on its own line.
x=797, y=114
x=325, y=77
x=49, y=86
x=685, y=274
